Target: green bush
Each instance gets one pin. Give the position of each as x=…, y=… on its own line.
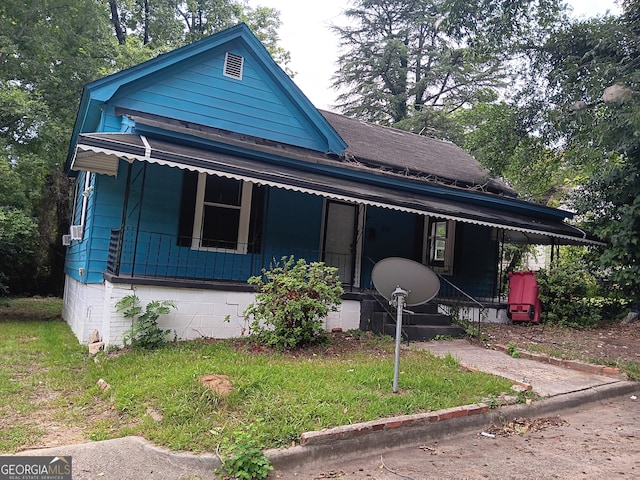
x=144, y=331
x=293, y=298
x=566, y=295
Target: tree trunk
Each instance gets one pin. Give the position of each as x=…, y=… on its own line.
x=115, y=20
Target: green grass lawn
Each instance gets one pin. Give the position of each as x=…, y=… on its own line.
x=47, y=378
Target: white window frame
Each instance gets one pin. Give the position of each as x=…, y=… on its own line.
x=243, y=226
x=444, y=265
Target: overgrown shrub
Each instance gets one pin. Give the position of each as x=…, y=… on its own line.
x=566, y=294
x=293, y=298
x=144, y=331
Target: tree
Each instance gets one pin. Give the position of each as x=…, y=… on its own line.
x=502, y=137
x=18, y=244
x=48, y=52
x=401, y=58
x=161, y=25
x=593, y=89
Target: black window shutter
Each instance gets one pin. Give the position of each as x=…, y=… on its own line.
x=418, y=238
x=187, y=207
x=256, y=220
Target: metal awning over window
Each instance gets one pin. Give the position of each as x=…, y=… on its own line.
x=100, y=153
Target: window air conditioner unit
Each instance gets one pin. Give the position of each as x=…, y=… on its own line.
x=66, y=240
x=76, y=232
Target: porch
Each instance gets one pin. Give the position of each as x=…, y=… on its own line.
x=157, y=260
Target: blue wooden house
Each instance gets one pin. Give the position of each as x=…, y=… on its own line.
x=195, y=170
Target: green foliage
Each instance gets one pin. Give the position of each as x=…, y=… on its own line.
x=48, y=51
x=505, y=140
x=565, y=293
x=244, y=458
x=18, y=243
x=292, y=301
x=144, y=332
x=513, y=350
x=611, y=202
x=401, y=58
x=162, y=25
x=584, y=64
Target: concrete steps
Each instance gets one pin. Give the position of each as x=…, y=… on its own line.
x=424, y=324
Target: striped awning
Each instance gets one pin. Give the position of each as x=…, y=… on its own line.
x=101, y=153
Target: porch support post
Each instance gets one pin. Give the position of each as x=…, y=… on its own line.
x=123, y=222
x=135, y=245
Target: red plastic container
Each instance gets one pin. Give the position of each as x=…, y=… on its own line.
x=524, y=304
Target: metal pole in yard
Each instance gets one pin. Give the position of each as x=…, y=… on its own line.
x=399, y=296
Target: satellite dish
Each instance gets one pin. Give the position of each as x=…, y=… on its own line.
x=420, y=282
x=403, y=282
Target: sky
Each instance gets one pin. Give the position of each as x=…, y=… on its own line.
x=305, y=33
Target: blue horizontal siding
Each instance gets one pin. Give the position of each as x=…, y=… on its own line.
x=201, y=94
x=388, y=233
x=293, y=222
x=76, y=255
x=108, y=198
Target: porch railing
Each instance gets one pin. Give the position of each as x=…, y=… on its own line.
x=169, y=257
x=461, y=306
x=140, y=254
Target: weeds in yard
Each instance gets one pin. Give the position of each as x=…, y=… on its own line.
x=144, y=331
x=632, y=369
x=513, y=350
x=48, y=379
x=244, y=458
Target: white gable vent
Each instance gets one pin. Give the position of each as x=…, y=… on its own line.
x=233, y=65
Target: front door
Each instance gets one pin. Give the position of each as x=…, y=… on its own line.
x=339, y=245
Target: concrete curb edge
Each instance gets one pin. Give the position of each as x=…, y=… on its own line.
x=570, y=364
x=396, y=432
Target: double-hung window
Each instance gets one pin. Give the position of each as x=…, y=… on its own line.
x=439, y=244
x=222, y=214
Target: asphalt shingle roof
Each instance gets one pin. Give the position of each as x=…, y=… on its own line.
x=395, y=149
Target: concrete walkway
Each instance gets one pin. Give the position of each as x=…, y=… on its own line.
x=133, y=458
x=546, y=380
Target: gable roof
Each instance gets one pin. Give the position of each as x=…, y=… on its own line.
x=98, y=94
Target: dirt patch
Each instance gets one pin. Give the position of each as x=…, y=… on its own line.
x=220, y=385
x=609, y=344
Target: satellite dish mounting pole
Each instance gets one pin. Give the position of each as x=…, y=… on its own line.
x=398, y=296
x=423, y=284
